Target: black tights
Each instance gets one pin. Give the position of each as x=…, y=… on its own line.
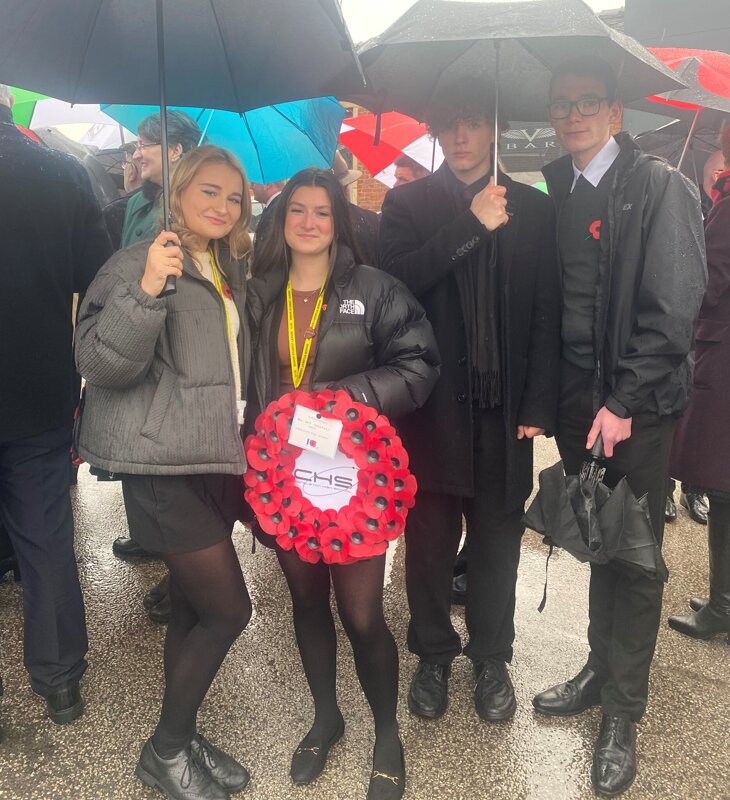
x=210, y=607
x=359, y=595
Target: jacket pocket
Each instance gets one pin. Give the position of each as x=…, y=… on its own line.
x=160, y=403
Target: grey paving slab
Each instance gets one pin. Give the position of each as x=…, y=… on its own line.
x=259, y=707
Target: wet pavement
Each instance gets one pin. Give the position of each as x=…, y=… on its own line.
x=259, y=707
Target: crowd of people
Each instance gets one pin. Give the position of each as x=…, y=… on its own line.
x=476, y=312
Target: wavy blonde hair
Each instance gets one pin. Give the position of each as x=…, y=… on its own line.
x=238, y=240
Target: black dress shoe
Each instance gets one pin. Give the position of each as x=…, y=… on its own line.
x=696, y=505
x=124, y=547
x=310, y=757
x=696, y=603
x=670, y=510
x=161, y=612
x=156, y=593
x=429, y=693
x=180, y=777
x=614, y=760
x=573, y=696
x=494, y=695
x=225, y=770
x=458, y=590
x=65, y=705
x=384, y=786
x=703, y=624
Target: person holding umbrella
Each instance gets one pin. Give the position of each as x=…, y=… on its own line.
x=480, y=258
x=704, y=430
x=372, y=340
x=171, y=374
x=632, y=255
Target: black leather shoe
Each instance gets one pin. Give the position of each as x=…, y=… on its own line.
x=494, y=695
x=572, y=697
x=65, y=705
x=124, y=547
x=429, y=693
x=310, y=757
x=384, y=786
x=161, y=612
x=614, y=760
x=703, y=624
x=225, y=770
x=458, y=590
x=696, y=603
x=670, y=510
x=696, y=505
x=157, y=593
x=180, y=777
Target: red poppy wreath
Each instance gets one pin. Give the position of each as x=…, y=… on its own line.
x=376, y=513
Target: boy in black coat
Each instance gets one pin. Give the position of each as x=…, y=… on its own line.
x=631, y=250
x=481, y=260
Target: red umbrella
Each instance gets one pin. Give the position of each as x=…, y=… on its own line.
x=29, y=134
x=713, y=72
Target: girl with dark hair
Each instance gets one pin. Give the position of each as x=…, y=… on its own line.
x=368, y=336
x=164, y=405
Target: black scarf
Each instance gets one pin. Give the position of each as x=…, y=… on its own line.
x=477, y=277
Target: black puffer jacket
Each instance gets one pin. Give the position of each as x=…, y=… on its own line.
x=374, y=339
x=652, y=276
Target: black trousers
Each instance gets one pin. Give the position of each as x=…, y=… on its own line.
x=493, y=536
x=624, y=606
x=35, y=508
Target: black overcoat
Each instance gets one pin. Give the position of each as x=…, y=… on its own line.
x=423, y=242
x=702, y=440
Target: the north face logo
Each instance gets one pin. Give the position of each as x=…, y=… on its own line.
x=352, y=307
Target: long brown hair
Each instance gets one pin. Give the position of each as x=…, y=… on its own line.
x=238, y=240
x=272, y=254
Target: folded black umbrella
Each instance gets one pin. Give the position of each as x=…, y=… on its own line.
x=580, y=514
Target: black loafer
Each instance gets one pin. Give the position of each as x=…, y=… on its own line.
x=384, y=786
x=125, y=547
x=225, y=770
x=310, y=757
x=494, y=695
x=458, y=590
x=696, y=505
x=65, y=705
x=670, y=510
x=428, y=695
x=180, y=777
x=614, y=760
x=156, y=593
x=572, y=697
x=161, y=612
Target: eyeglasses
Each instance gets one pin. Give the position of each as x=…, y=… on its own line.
x=587, y=107
x=143, y=147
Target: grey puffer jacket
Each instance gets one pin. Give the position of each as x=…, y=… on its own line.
x=160, y=397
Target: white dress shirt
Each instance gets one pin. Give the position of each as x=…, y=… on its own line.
x=599, y=165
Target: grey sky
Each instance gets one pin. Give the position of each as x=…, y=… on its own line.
x=367, y=18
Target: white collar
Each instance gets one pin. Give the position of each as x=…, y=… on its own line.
x=271, y=199
x=599, y=165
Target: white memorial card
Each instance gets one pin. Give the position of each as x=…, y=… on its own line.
x=311, y=431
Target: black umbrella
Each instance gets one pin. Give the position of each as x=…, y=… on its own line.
x=234, y=55
x=592, y=522
x=514, y=44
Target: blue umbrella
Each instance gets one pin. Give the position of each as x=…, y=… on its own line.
x=272, y=142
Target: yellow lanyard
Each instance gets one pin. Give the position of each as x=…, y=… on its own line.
x=219, y=286
x=298, y=367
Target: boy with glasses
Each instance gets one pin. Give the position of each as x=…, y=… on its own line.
x=632, y=257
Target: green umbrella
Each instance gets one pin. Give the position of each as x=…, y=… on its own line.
x=24, y=105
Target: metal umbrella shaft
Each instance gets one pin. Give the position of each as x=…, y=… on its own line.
x=689, y=138
x=495, y=164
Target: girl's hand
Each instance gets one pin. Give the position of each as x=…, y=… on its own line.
x=161, y=262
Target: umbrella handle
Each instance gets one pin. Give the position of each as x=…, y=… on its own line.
x=597, y=449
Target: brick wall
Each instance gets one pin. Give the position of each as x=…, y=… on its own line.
x=370, y=193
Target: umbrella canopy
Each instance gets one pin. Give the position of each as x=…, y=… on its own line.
x=713, y=70
x=24, y=102
x=225, y=54
x=593, y=523
x=273, y=142
x=438, y=41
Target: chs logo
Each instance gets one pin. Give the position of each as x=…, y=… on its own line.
x=352, y=307
x=326, y=482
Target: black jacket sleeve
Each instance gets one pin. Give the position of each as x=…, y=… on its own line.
x=407, y=356
x=92, y=246
x=669, y=294
x=421, y=265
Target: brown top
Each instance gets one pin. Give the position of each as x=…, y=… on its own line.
x=304, y=303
